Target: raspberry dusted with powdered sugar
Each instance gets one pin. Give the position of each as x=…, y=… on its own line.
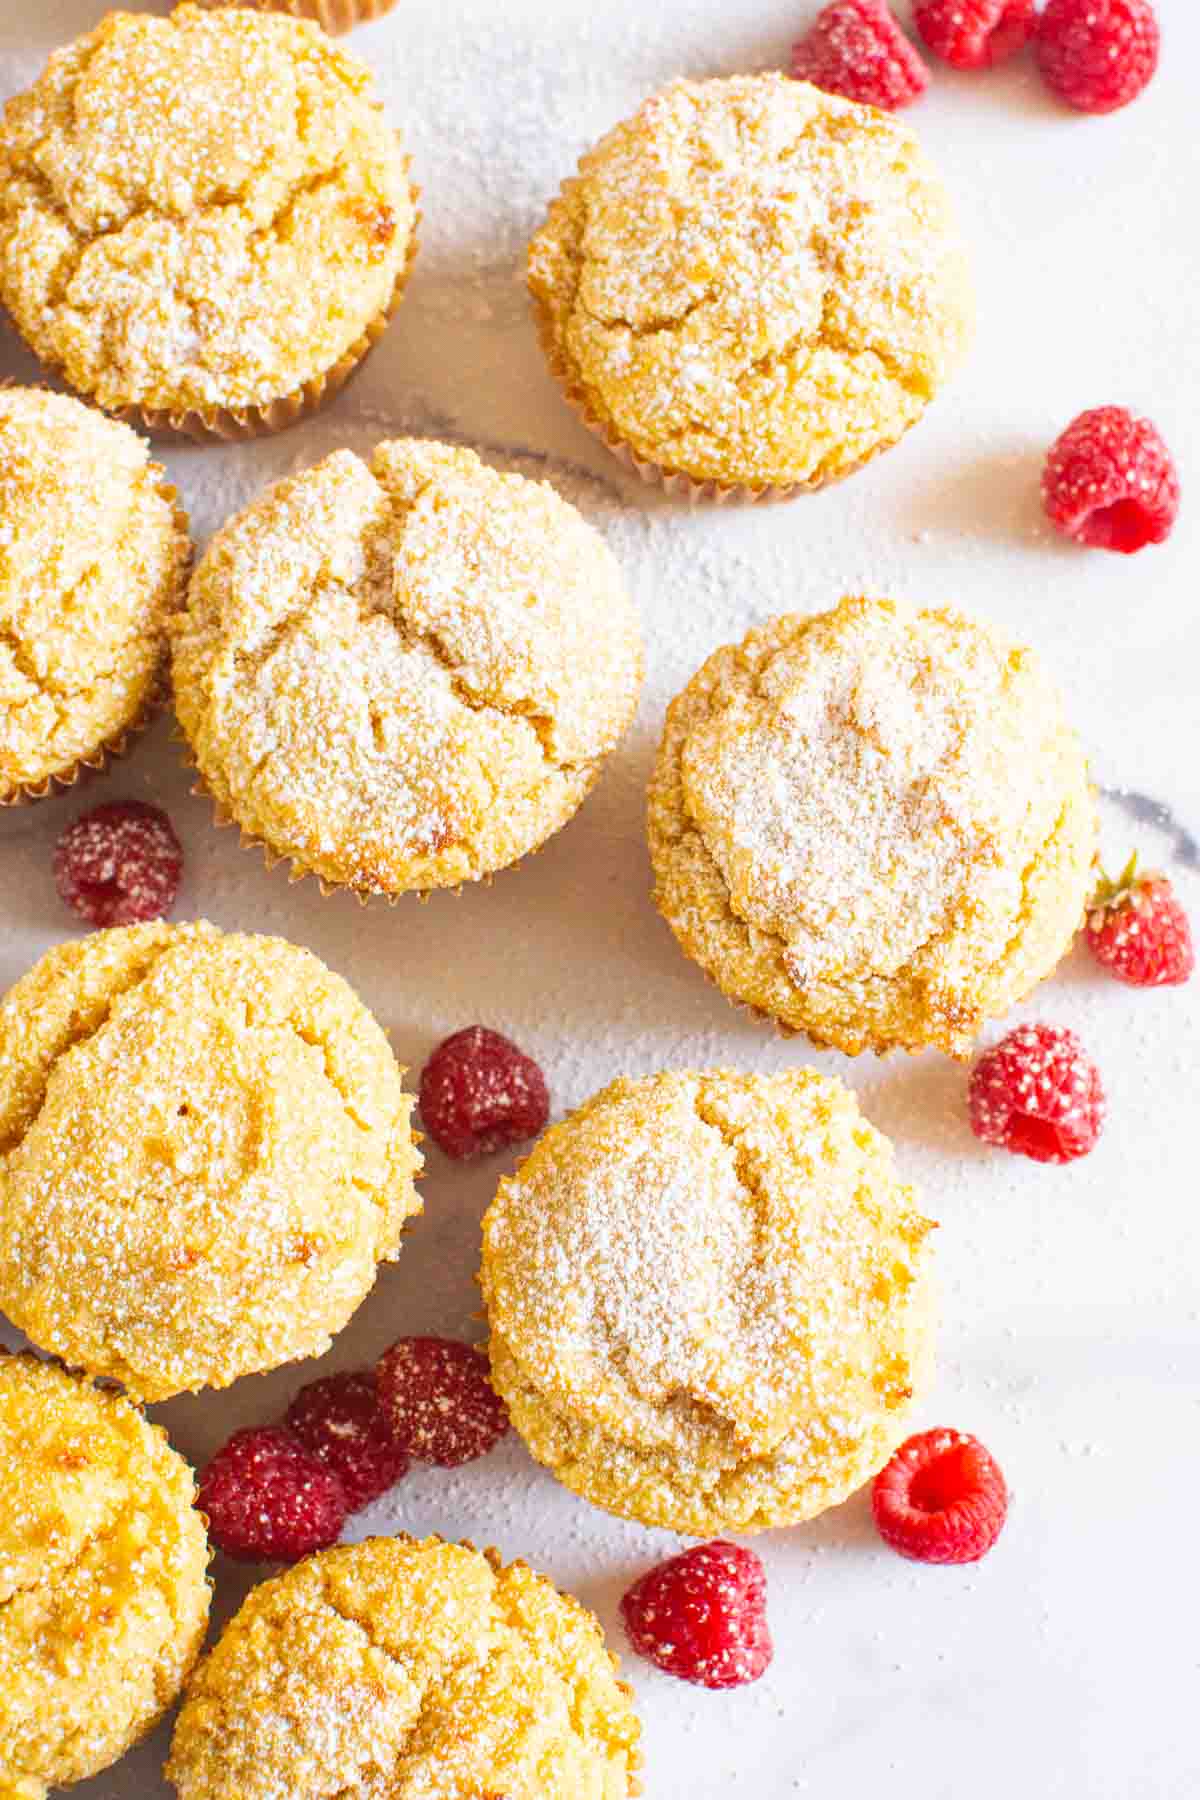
x=1097, y=55
x=341, y=1421
x=267, y=1498
x=1137, y=928
x=479, y=1093
x=1039, y=1094
x=856, y=48
x=440, y=1401
x=974, y=34
x=120, y=864
x=703, y=1616
x=1110, y=482
x=941, y=1499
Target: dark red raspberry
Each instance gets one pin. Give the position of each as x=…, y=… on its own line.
x=1137, y=928
x=440, y=1402
x=1110, y=482
x=974, y=34
x=1038, y=1093
x=479, y=1093
x=268, y=1498
x=855, y=48
x=703, y=1616
x=1097, y=55
x=340, y=1420
x=119, y=864
x=941, y=1499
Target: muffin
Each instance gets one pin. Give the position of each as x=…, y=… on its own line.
x=873, y=825
x=94, y=552
x=404, y=674
x=205, y=1152
x=103, y=1586
x=411, y=1670
x=751, y=287
x=709, y=1299
x=204, y=219
x=334, y=15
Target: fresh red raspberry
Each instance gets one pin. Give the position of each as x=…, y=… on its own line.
x=1137, y=928
x=268, y=1498
x=703, y=1616
x=941, y=1499
x=440, y=1402
x=479, y=1093
x=119, y=864
x=1110, y=482
x=1097, y=55
x=1038, y=1093
x=340, y=1420
x=855, y=48
x=974, y=34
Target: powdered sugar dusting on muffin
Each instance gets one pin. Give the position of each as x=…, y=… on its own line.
x=405, y=675
x=703, y=1297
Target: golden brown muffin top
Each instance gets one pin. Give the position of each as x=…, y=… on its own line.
x=753, y=281
x=425, y=1671
x=92, y=561
x=877, y=796
x=711, y=1279
x=103, y=1591
x=204, y=1152
x=199, y=211
x=405, y=673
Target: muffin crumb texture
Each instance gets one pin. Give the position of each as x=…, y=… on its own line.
x=873, y=825
x=405, y=674
x=753, y=283
x=93, y=556
x=709, y=1299
x=423, y=1671
x=103, y=1586
x=205, y=1150
x=199, y=212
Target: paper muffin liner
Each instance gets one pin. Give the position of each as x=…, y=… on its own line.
x=240, y=423
x=120, y=742
x=675, y=482
x=298, y=871
x=335, y=15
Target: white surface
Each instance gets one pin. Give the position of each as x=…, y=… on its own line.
x=1066, y=1664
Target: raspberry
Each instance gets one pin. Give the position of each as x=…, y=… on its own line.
x=703, y=1616
x=1137, y=928
x=340, y=1420
x=974, y=34
x=855, y=48
x=941, y=1499
x=1097, y=55
x=1110, y=482
x=440, y=1402
x=479, y=1093
x=1038, y=1093
x=119, y=864
x=268, y=1498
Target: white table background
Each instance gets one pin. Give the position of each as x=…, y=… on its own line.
x=1066, y=1664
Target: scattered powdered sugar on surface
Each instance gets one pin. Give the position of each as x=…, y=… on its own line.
x=1067, y=1312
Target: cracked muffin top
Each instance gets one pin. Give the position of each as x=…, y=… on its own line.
x=709, y=1299
x=873, y=825
x=103, y=1590
x=204, y=1153
x=93, y=556
x=405, y=674
x=423, y=1671
x=753, y=283
x=204, y=211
